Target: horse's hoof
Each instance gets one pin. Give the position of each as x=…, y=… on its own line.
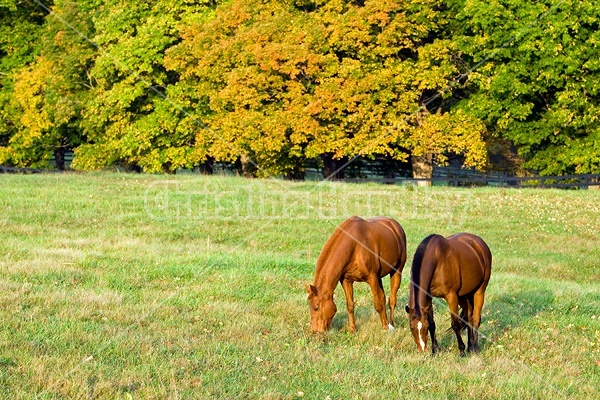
x=462, y=353
x=391, y=328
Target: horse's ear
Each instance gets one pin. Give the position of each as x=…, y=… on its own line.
x=407, y=309
x=311, y=290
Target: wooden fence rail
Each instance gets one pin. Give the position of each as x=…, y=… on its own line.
x=564, y=181
x=497, y=180
x=15, y=170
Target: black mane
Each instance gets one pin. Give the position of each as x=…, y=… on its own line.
x=418, y=259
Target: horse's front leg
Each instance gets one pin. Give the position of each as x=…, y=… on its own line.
x=452, y=300
x=434, y=343
x=466, y=314
x=394, y=285
x=349, y=292
x=379, y=299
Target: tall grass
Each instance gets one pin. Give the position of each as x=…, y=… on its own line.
x=141, y=286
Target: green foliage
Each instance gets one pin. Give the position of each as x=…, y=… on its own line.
x=50, y=91
x=540, y=88
x=129, y=119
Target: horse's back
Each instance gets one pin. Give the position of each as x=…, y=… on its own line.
x=393, y=228
x=373, y=232
x=391, y=224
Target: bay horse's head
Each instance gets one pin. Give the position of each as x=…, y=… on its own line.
x=419, y=326
x=322, y=310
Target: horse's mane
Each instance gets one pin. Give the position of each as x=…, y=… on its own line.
x=415, y=271
x=331, y=243
x=418, y=258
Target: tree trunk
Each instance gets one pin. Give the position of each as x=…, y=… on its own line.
x=333, y=169
x=296, y=173
x=422, y=167
x=208, y=166
x=245, y=166
x=59, y=158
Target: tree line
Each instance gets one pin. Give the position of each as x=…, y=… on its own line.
x=161, y=85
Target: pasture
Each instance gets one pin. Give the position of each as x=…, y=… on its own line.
x=155, y=287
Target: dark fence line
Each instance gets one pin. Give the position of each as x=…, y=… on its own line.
x=16, y=170
x=564, y=181
x=470, y=180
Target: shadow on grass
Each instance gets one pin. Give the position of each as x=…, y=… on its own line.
x=500, y=314
x=340, y=321
x=512, y=310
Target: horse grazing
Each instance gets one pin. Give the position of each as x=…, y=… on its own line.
x=458, y=269
x=358, y=251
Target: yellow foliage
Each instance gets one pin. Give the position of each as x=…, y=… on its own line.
x=30, y=87
x=286, y=85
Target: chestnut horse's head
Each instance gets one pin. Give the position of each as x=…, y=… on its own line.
x=322, y=310
x=419, y=326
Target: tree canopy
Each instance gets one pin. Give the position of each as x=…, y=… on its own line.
x=158, y=86
x=539, y=78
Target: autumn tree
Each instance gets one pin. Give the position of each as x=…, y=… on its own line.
x=396, y=92
x=51, y=90
x=284, y=83
x=160, y=86
x=20, y=29
x=254, y=66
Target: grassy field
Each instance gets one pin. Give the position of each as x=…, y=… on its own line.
x=140, y=286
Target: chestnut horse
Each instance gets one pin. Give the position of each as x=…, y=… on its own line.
x=358, y=251
x=458, y=269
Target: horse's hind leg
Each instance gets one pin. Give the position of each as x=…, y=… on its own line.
x=394, y=285
x=349, y=292
x=476, y=318
x=379, y=298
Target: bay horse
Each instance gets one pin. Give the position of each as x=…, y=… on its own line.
x=358, y=251
x=458, y=269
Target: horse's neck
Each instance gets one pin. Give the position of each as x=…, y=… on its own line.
x=326, y=280
x=330, y=268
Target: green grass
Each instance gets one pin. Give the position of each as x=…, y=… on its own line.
x=141, y=286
